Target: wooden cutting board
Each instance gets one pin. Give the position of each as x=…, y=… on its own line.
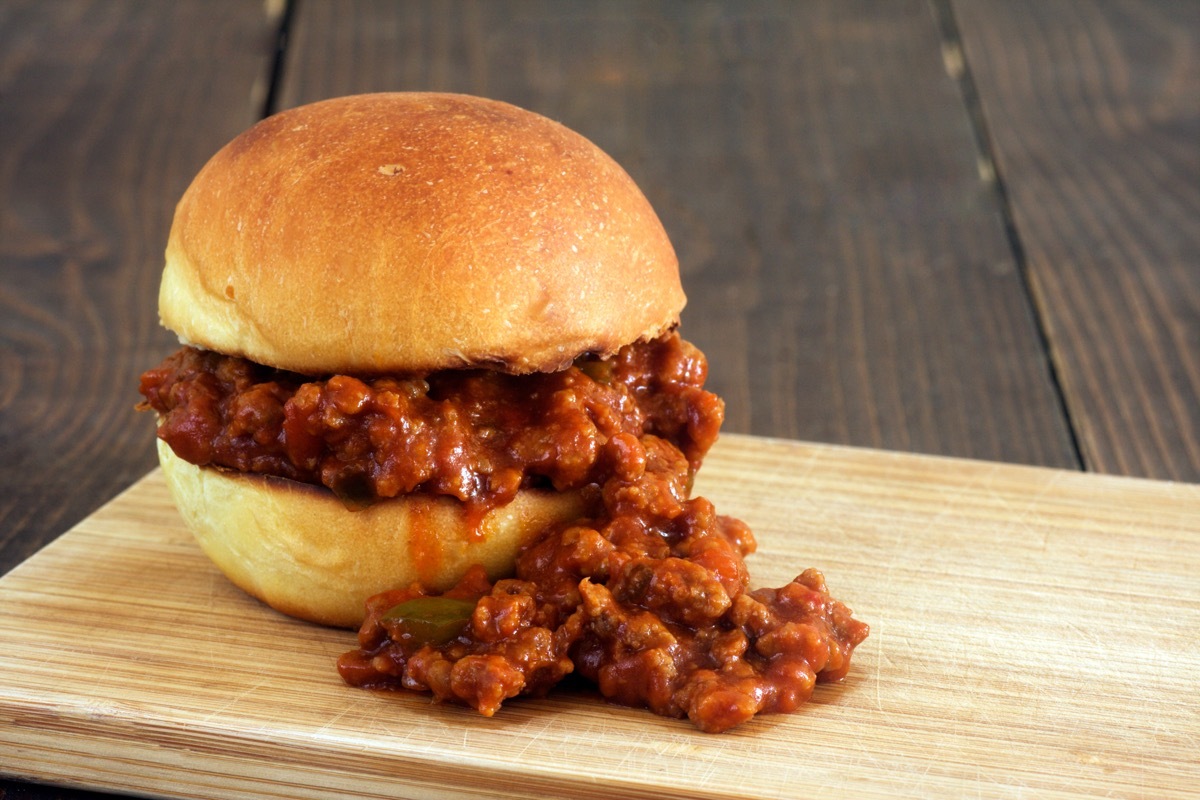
x=1034, y=632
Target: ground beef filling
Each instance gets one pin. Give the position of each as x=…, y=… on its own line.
x=478, y=436
x=647, y=597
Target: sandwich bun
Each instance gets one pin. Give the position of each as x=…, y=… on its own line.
x=399, y=234
x=415, y=232
x=295, y=547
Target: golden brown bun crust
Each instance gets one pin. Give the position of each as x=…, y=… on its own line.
x=298, y=549
x=409, y=232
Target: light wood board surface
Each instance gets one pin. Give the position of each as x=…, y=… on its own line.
x=1034, y=632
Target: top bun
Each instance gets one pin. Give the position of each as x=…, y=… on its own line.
x=411, y=232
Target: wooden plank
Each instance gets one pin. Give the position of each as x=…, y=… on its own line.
x=1033, y=633
x=1092, y=110
x=108, y=110
x=846, y=265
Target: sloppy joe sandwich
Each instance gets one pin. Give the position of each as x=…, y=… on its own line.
x=432, y=386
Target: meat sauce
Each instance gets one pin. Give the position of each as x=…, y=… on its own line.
x=478, y=436
x=647, y=597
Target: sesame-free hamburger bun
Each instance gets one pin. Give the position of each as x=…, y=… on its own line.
x=414, y=232
x=401, y=235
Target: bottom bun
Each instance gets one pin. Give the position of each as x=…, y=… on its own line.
x=299, y=550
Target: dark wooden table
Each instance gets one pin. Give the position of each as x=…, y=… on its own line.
x=942, y=226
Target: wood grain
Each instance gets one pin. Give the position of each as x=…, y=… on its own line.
x=849, y=276
x=1033, y=633
x=846, y=266
x=109, y=109
x=1094, y=112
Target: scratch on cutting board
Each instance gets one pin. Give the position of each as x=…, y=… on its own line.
x=711, y=767
x=329, y=723
x=534, y=737
x=1022, y=512
x=673, y=746
x=262, y=681
x=878, y=633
